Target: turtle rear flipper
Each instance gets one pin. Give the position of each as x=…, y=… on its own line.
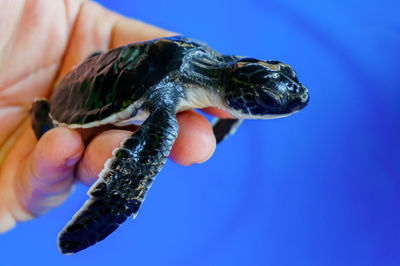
x=41, y=121
x=123, y=183
x=222, y=128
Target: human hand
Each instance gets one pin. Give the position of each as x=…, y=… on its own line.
x=41, y=41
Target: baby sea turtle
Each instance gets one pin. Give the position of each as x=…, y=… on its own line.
x=147, y=83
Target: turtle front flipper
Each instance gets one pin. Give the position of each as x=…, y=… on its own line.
x=41, y=121
x=123, y=183
x=224, y=127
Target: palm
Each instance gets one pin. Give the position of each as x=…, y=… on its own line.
x=42, y=41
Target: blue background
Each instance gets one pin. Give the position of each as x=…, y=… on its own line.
x=321, y=187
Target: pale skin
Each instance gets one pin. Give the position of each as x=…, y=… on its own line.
x=40, y=42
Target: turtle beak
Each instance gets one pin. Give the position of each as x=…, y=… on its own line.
x=299, y=99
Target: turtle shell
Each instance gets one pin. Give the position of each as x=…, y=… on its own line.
x=107, y=84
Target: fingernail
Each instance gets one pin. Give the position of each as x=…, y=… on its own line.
x=210, y=152
x=73, y=160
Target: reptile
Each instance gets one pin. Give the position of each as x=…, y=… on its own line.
x=147, y=84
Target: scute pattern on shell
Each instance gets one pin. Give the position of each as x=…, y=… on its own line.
x=151, y=82
x=108, y=83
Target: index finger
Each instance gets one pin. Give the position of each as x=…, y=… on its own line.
x=217, y=113
x=97, y=29
x=130, y=30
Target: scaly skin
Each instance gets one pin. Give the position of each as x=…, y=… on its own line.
x=123, y=184
x=159, y=77
x=36, y=176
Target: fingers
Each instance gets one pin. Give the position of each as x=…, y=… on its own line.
x=97, y=152
x=7, y=220
x=130, y=30
x=217, y=112
x=195, y=142
x=49, y=173
x=98, y=29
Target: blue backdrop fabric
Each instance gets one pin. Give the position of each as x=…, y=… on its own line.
x=318, y=188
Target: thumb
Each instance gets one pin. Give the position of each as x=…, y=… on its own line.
x=48, y=176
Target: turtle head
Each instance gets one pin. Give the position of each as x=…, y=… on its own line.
x=263, y=89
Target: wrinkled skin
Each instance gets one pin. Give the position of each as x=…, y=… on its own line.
x=40, y=42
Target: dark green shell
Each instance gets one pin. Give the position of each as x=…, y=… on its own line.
x=151, y=82
x=108, y=83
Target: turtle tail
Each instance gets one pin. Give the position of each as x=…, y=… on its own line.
x=41, y=121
